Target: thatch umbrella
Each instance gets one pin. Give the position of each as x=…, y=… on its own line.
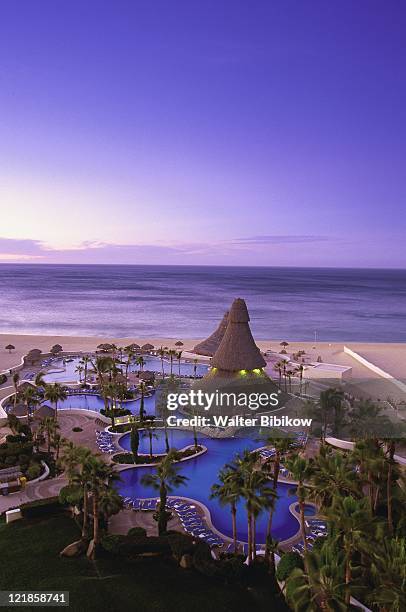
x=105, y=347
x=133, y=347
x=57, y=348
x=44, y=411
x=147, y=347
x=178, y=343
x=10, y=347
x=19, y=410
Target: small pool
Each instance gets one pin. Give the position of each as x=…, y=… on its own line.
x=176, y=437
x=89, y=401
x=309, y=510
x=202, y=472
x=66, y=371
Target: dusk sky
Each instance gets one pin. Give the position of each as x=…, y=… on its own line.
x=203, y=132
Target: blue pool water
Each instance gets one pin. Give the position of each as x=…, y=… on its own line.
x=69, y=374
x=202, y=473
x=88, y=401
x=177, y=439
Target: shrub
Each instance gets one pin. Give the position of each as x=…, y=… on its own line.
x=3, y=379
x=33, y=471
x=289, y=561
x=41, y=507
x=77, y=429
x=112, y=542
x=118, y=412
x=17, y=438
x=137, y=532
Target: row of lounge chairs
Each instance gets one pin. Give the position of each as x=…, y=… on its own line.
x=104, y=441
x=316, y=529
x=191, y=520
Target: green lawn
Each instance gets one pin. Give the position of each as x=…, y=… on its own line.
x=29, y=560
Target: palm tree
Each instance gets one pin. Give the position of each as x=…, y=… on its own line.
x=353, y=522
x=150, y=430
x=228, y=491
x=165, y=480
x=85, y=360
x=332, y=474
x=179, y=357
x=98, y=476
x=140, y=361
x=279, y=368
x=30, y=399
x=79, y=369
x=321, y=585
x=39, y=379
x=281, y=446
x=161, y=352
x=142, y=388
x=300, y=470
x=195, y=362
x=74, y=461
x=16, y=380
x=134, y=441
x=129, y=351
x=388, y=568
x=50, y=426
x=171, y=354
x=55, y=393
x=110, y=503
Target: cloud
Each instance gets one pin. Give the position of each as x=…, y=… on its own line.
x=281, y=239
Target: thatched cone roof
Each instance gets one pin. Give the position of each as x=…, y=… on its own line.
x=19, y=410
x=209, y=346
x=237, y=350
x=44, y=411
x=147, y=347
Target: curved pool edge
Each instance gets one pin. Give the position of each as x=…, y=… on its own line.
x=126, y=466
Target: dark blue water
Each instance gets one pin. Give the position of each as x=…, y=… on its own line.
x=202, y=474
x=187, y=302
x=95, y=402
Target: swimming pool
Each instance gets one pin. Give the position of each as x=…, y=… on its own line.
x=88, y=401
x=202, y=473
x=69, y=374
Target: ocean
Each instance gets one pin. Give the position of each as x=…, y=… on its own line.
x=188, y=301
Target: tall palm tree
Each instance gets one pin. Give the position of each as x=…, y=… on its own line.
x=332, y=474
x=388, y=568
x=98, y=476
x=140, y=361
x=228, y=491
x=165, y=480
x=79, y=369
x=161, y=352
x=50, y=427
x=110, y=503
x=30, y=399
x=39, y=379
x=74, y=461
x=84, y=361
x=149, y=428
x=55, y=393
x=134, y=441
x=282, y=446
x=129, y=351
x=195, y=362
x=321, y=585
x=179, y=357
x=142, y=389
x=16, y=380
x=171, y=354
x=353, y=522
x=300, y=470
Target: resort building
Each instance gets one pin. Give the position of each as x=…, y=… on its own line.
x=237, y=354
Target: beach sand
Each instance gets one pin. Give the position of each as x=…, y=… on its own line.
x=389, y=357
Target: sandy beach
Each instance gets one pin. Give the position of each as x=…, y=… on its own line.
x=390, y=357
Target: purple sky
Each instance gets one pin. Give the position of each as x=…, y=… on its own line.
x=258, y=133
